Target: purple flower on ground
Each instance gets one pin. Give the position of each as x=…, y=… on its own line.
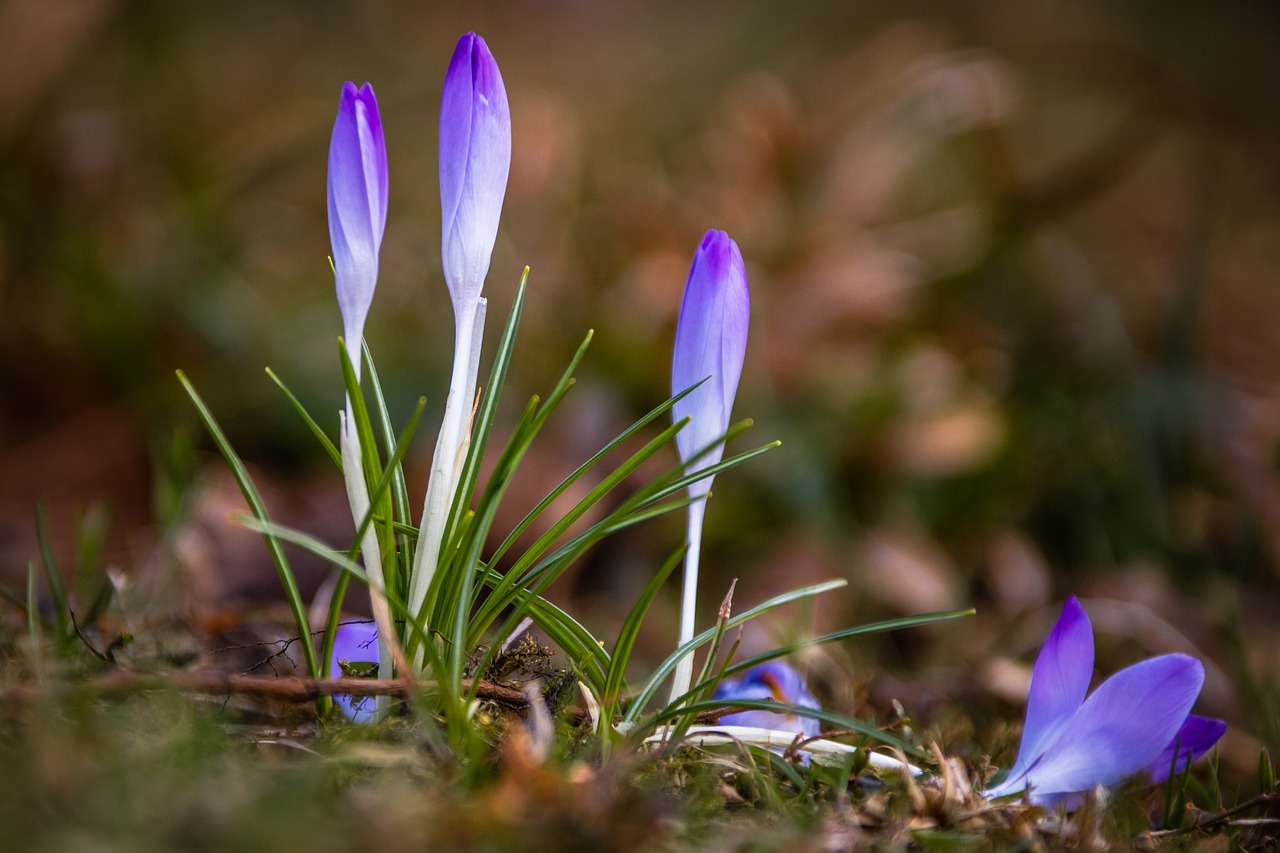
x=355, y=642
x=711, y=342
x=1131, y=724
x=773, y=680
x=357, y=207
x=475, y=159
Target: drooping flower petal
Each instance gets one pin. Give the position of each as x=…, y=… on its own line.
x=1196, y=737
x=357, y=206
x=354, y=642
x=711, y=342
x=1059, y=683
x=773, y=680
x=475, y=159
x=1119, y=730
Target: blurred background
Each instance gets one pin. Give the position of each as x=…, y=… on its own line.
x=1015, y=273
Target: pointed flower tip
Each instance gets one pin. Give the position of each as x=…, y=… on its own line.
x=475, y=160
x=357, y=202
x=711, y=341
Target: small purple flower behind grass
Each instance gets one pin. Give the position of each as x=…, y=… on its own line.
x=773, y=680
x=1137, y=721
x=354, y=643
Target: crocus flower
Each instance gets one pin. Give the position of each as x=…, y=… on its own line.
x=357, y=220
x=475, y=158
x=355, y=642
x=1133, y=723
x=773, y=680
x=357, y=207
x=711, y=341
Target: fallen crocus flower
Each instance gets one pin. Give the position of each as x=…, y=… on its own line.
x=355, y=642
x=773, y=680
x=1138, y=721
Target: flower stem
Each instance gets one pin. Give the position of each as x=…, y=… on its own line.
x=446, y=462
x=689, y=598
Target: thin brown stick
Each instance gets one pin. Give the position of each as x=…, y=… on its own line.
x=289, y=688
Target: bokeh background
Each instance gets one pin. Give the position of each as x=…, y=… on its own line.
x=1015, y=272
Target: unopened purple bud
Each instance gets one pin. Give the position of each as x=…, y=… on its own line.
x=475, y=158
x=711, y=342
x=357, y=205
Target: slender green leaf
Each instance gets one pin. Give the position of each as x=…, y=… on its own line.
x=53, y=576
x=319, y=433
x=259, y=510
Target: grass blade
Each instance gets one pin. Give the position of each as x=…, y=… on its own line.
x=241, y=474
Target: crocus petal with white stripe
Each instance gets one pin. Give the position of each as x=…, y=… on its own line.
x=357, y=207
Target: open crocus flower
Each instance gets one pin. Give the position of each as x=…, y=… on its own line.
x=357, y=207
x=773, y=680
x=711, y=342
x=1137, y=721
x=355, y=642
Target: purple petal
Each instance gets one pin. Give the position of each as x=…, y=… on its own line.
x=1196, y=737
x=711, y=341
x=475, y=159
x=354, y=642
x=1121, y=729
x=357, y=204
x=1059, y=683
x=777, y=681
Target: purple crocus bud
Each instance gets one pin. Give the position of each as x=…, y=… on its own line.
x=475, y=158
x=1133, y=723
x=357, y=207
x=355, y=642
x=773, y=680
x=711, y=341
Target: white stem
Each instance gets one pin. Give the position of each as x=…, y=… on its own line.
x=358, y=498
x=446, y=463
x=689, y=599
